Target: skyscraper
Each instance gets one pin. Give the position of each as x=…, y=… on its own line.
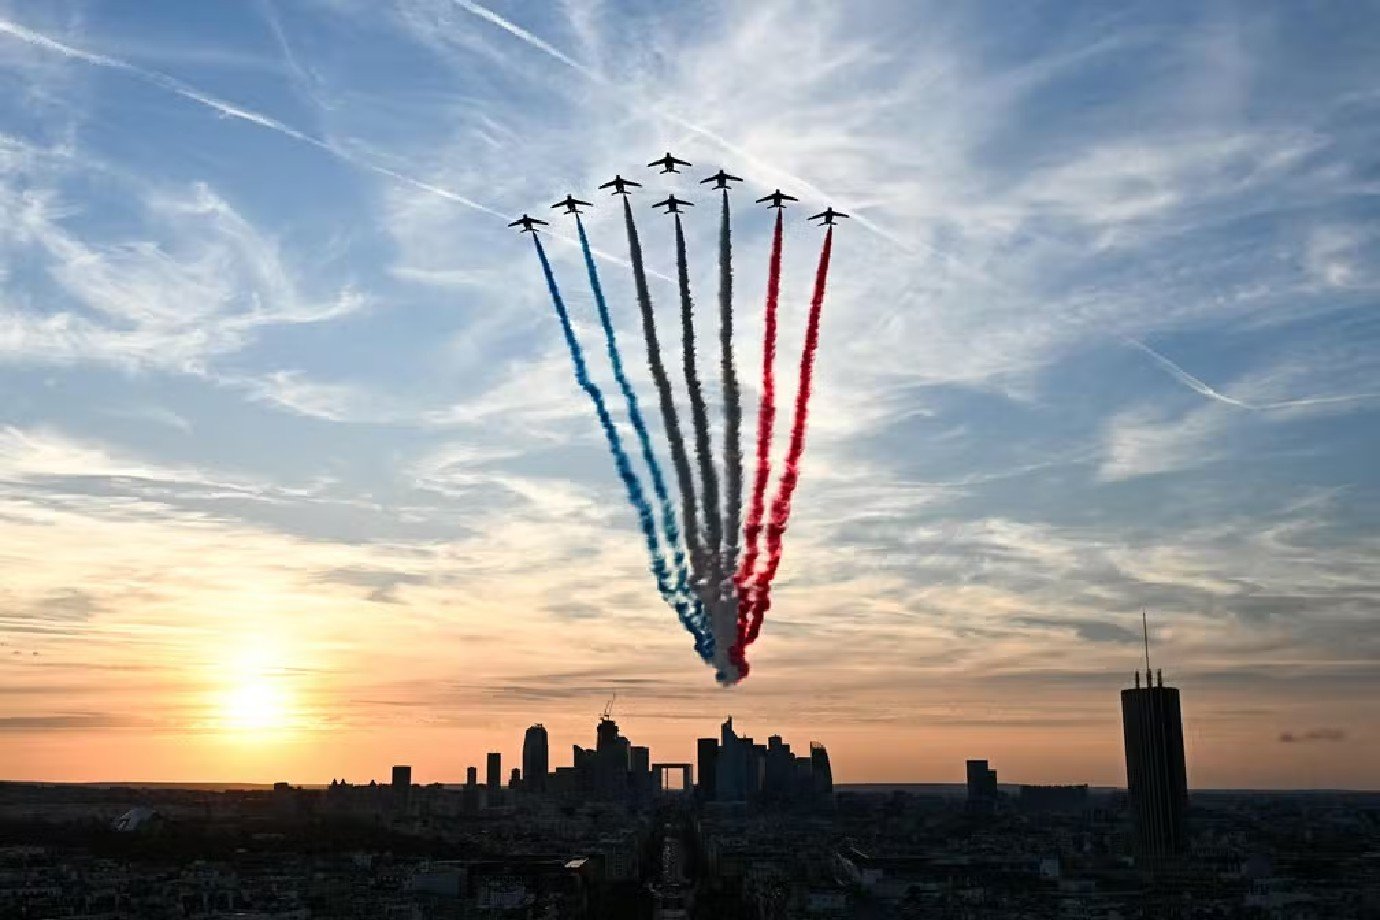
x=1156, y=778
x=536, y=759
x=402, y=784
x=612, y=760
x=706, y=768
x=982, y=786
x=731, y=774
x=494, y=772
x=819, y=767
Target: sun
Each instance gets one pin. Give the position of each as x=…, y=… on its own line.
x=256, y=705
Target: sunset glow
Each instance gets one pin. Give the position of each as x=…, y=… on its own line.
x=296, y=481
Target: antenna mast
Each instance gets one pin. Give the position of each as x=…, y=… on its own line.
x=1145, y=632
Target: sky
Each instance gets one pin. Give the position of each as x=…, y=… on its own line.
x=295, y=482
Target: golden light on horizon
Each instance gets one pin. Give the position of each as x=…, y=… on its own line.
x=258, y=705
x=255, y=699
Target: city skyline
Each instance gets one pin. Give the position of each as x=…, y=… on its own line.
x=294, y=483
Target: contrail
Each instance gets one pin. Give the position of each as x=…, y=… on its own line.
x=790, y=473
x=187, y=91
x=670, y=419
x=704, y=451
x=733, y=409
x=679, y=121
x=766, y=420
x=620, y=456
x=687, y=606
x=230, y=110
x=1198, y=386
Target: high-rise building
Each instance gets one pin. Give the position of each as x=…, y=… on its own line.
x=819, y=767
x=779, y=768
x=706, y=764
x=1156, y=777
x=515, y=779
x=494, y=771
x=469, y=798
x=982, y=786
x=612, y=760
x=536, y=759
x=731, y=779
x=402, y=784
x=756, y=768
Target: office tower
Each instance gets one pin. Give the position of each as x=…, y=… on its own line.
x=469, y=798
x=982, y=786
x=819, y=766
x=536, y=759
x=779, y=769
x=494, y=771
x=612, y=758
x=402, y=784
x=582, y=761
x=641, y=769
x=1156, y=778
x=706, y=763
x=756, y=768
x=731, y=781
x=803, y=781
x=515, y=779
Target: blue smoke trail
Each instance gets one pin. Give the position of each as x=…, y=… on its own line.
x=620, y=456
x=688, y=607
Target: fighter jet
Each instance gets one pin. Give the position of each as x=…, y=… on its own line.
x=777, y=198
x=668, y=163
x=528, y=224
x=572, y=204
x=828, y=217
x=721, y=179
x=673, y=205
x=620, y=185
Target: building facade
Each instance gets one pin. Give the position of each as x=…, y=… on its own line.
x=1156, y=775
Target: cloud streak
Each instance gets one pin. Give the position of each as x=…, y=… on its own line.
x=1201, y=388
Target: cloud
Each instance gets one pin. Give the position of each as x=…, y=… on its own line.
x=68, y=721
x=384, y=583
x=995, y=485
x=197, y=284
x=1196, y=385
x=1313, y=734
x=71, y=604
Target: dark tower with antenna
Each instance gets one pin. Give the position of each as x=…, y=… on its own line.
x=1152, y=726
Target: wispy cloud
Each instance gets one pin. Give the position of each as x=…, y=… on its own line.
x=1198, y=386
x=1124, y=358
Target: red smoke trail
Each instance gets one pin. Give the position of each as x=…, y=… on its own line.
x=790, y=474
x=766, y=419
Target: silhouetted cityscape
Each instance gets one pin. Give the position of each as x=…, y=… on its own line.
x=749, y=830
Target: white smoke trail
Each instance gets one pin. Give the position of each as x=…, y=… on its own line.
x=230, y=110
x=1203, y=389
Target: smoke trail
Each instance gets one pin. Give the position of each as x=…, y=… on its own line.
x=620, y=456
x=733, y=409
x=678, y=595
x=766, y=419
x=680, y=460
x=704, y=451
x=790, y=473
